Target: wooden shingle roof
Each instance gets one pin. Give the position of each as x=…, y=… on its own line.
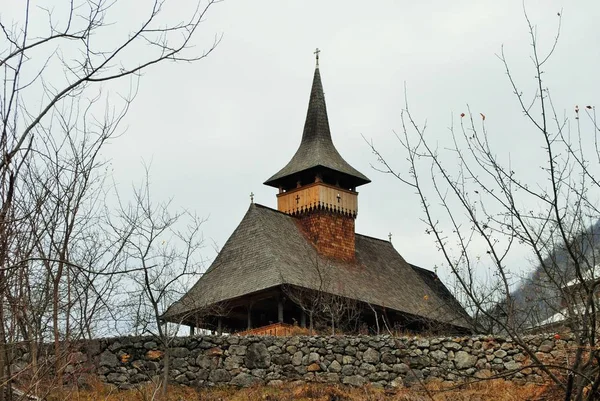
x=316, y=148
x=268, y=249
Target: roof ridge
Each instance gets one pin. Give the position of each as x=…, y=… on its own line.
x=271, y=209
x=375, y=238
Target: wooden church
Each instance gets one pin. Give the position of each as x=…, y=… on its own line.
x=304, y=265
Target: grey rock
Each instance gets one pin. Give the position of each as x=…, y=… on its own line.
x=245, y=380
x=179, y=363
x=413, y=377
x=357, y=381
x=207, y=362
x=237, y=350
x=388, y=357
x=350, y=350
x=335, y=367
x=206, y=344
x=233, y=340
x=108, y=359
x=150, y=366
x=274, y=349
x=420, y=361
x=202, y=374
x=150, y=345
x=379, y=376
x=313, y=357
x=102, y=370
x=371, y=356
x=219, y=376
x=233, y=362
x=512, y=365
x=139, y=378
x=116, y=378
x=281, y=359
x=452, y=345
x=300, y=370
x=400, y=368
x=464, y=360
x=257, y=356
x=347, y=370
x=179, y=352
x=366, y=368
x=297, y=358
x=500, y=353
x=438, y=355
x=182, y=379
x=397, y=382
x=546, y=346
x=331, y=377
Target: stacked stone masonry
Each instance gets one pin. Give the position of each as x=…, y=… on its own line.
x=332, y=233
x=245, y=361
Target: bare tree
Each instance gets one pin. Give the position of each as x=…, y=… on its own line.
x=310, y=300
x=163, y=256
x=341, y=312
x=481, y=208
x=57, y=261
x=326, y=303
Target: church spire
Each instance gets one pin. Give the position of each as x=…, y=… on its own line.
x=316, y=153
x=316, y=125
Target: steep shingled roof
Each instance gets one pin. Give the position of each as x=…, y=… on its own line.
x=316, y=148
x=268, y=249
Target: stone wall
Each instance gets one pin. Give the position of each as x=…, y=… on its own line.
x=358, y=360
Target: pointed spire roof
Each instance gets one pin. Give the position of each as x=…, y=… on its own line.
x=316, y=148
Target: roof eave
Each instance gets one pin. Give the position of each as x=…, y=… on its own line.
x=276, y=179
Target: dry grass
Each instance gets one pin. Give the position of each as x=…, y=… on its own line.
x=490, y=390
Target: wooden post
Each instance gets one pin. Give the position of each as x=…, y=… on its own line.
x=191, y=331
x=249, y=316
x=219, y=326
x=302, y=319
x=280, y=310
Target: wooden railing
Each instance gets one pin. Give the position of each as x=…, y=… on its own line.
x=275, y=329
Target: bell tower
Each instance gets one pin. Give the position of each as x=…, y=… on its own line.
x=318, y=186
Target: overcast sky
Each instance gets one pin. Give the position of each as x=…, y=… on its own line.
x=216, y=129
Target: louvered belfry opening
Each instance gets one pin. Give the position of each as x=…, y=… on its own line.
x=318, y=186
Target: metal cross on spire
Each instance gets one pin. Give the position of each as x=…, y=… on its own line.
x=390, y=237
x=251, y=197
x=316, y=53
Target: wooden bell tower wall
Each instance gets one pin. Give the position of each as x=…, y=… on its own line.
x=326, y=214
x=332, y=233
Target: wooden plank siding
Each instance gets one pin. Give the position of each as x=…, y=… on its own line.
x=318, y=195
